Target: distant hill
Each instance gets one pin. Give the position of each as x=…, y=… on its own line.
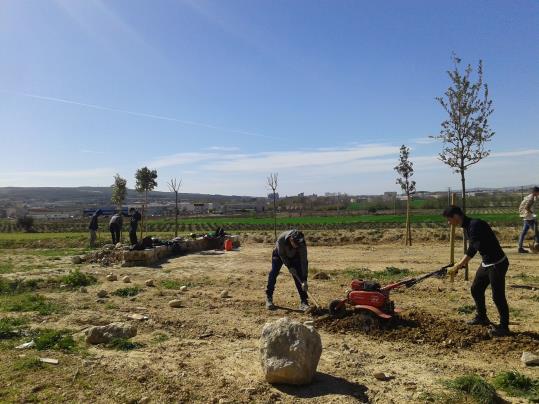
x=63, y=196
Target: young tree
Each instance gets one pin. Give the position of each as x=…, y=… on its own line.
x=119, y=192
x=26, y=223
x=145, y=182
x=174, y=185
x=466, y=131
x=405, y=169
x=273, y=182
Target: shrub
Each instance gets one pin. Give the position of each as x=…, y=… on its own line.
x=516, y=384
x=26, y=223
x=122, y=344
x=54, y=339
x=9, y=327
x=127, y=292
x=476, y=387
x=76, y=279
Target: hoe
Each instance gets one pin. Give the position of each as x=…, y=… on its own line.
x=372, y=302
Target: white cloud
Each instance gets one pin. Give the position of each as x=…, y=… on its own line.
x=224, y=148
x=424, y=140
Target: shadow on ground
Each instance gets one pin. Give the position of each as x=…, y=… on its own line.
x=325, y=384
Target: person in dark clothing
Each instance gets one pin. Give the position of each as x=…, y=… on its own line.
x=115, y=227
x=93, y=226
x=135, y=216
x=491, y=271
x=290, y=250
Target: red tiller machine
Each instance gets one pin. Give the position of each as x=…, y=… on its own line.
x=372, y=301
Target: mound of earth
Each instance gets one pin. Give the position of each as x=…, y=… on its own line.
x=419, y=327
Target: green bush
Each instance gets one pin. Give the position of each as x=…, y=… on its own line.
x=28, y=302
x=122, y=344
x=54, y=339
x=516, y=384
x=127, y=292
x=9, y=327
x=77, y=279
x=476, y=387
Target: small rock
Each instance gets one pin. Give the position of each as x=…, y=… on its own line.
x=76, y=260
x=49, y=360
x=63, y=286
x=225, y=294
x=112, y=277
x=150, y=283
x=529, y=359
x=309, y=323
x=321, y=276
x=137, y=316
x=118, y=245
x=382, y=376
x=183, y=289
x=105, y=333
x=144, y=400
x=102, y=293
x=126, y=279
x=175, y=303
x=83, y=290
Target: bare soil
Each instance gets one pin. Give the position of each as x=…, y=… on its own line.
x=207, y=350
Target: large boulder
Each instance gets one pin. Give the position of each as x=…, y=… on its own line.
x=106, y=333
x=289, y=352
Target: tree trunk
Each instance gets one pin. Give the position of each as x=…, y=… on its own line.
x=275, y=215
x=465, y=237
x=142, y=220
x=176, y=222
x=407, y=239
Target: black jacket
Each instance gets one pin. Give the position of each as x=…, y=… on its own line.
x=482, y=239
x=133, y=223
x=93, y=222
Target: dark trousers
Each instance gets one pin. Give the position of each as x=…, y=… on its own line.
x=495, y=277
x=115, y=233
x=276, y=265
x=133, y=236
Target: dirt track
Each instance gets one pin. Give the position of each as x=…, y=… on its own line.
x=207, y=350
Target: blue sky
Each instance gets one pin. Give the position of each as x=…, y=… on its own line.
x=221, y=93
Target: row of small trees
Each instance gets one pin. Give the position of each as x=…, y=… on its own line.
x=464, y=134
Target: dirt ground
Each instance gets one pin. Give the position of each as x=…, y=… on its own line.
x=207, y=350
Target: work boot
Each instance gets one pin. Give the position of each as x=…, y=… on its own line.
x=269, y=303
x=496, y=332
x=478, y=320
x=304, y=306
x=523, y=251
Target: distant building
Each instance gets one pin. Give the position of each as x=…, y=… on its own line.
x=389, y=196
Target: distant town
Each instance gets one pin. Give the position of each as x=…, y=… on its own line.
x=65, y=203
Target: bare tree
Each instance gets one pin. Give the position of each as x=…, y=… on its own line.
x=405, y=169
x=466, y=131
x=273, y=182
x=174, y=185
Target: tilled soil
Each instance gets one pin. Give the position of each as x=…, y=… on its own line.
x=419, y=327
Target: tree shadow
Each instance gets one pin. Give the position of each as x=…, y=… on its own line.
x=325, y=384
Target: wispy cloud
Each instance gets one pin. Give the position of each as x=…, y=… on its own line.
x=424, y=140
x=224, y=148
x=139, y=114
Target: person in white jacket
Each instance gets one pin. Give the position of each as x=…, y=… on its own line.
x=525, y=211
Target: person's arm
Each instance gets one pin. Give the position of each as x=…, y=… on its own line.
x=281, y=247
x=304, y=263
x=463, y=262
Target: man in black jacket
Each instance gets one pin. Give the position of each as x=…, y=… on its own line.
x=93, y=226
x=491, y=271
x=135, y=216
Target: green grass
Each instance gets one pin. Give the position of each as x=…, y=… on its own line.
x=466, y=309
x=475, y=387
x=516, y=384
x=28, y=302
x=123, y=344
x=387, y=275
x=7, y=266
x=54, y=339
x=127, y=292
x=10, y=327
x=77, y=279
x=30, y=363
